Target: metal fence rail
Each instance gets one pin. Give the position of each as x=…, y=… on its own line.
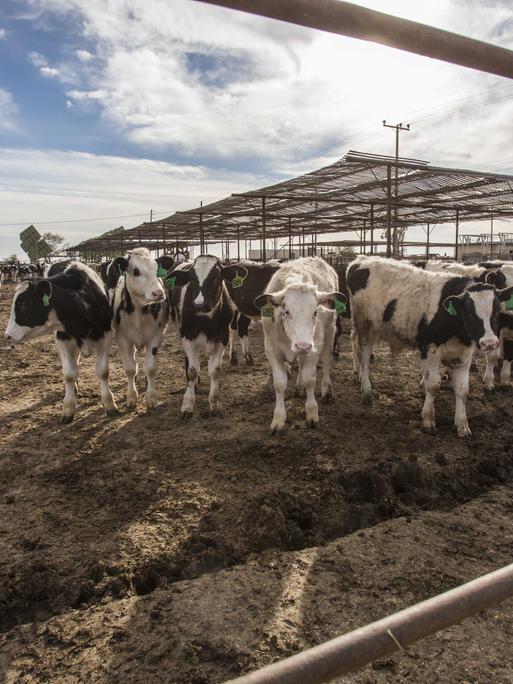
x=379, y=639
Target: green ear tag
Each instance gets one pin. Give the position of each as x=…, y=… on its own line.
x=46, y=300
x=170, y=282
x=451, y=310
x=509, y=304
x=161, y=272
x=267, y=311
x=340, y=307
x=237, y=281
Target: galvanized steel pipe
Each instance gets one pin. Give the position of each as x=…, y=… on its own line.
x=379, y=639
x=347, y=19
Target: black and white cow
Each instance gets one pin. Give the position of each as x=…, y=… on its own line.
x=141, y=312
x=205, y=313
x=243, y=290
x=479, y=274
x=445, y=317
x=298, y=318
x=70, y=303
x=505, y=350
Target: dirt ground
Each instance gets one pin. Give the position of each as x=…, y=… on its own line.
x=144, y=549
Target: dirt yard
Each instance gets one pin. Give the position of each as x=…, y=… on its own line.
x=146, y=549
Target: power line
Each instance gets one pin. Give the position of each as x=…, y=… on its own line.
x=102, y=218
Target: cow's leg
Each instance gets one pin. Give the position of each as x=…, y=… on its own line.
x=280, y=378
x=192, y=350
x=506, y=361
x=69, y=353
x=130, y=365
x=336, y=338
x=214, y=371
x=327, y=356
x=103, y=346
x=488, y=377
x=362, y=352
x=232, y=352
x=460, y=386
x=308, y=374
x=150, y=368
x=243, y=329
x=431, y=382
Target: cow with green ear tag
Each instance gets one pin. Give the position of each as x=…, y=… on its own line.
x=298, y=313
x=70, y=303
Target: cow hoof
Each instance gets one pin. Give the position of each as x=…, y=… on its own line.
x=328, y=398
x=234, y=361
x=248, y=358
x=367, y=399
x=275, y=429
x=112, y=412
x=300, y=392
x=67, y=419
x=429, y=429
x=215, y=413
x=312, y=424
x=464, y=431
x=489, y=390
x=186, y=415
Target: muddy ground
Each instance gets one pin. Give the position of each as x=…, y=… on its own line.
x=141, y=548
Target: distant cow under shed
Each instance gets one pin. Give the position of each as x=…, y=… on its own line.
x=72, y=304
x=243, y=289
x=205, y=313
x=299, y=323
x=445, y=317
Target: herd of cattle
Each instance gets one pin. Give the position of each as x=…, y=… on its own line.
x=13, y=271
x=445, y=310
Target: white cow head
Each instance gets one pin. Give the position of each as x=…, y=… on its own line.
x=141, y=277
x=31, y=311
x=296, y=306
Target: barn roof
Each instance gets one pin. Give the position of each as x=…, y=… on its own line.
x=348, y=195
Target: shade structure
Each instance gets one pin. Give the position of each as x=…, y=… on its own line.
x=355, y=193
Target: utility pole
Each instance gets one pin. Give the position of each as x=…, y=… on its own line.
x=151, y=215
x=398, y=128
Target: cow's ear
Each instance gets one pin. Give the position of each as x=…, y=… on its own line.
x=164, y=264
x=506, y=294
x=120, y=264
x=179, y=277
x=453, y=304
x=333, y=300
x=492, y=277
x=235, y=274
x=44, y=290
x=267, y=299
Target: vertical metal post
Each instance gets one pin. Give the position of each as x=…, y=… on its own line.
x=457, y=236
x=290, y=238
x=122, y=247
x=264, y=257
x=238, y=243
x=372, y=230
x=364, y=236
x=389, y=211
x=202, y=234
x=303, y=248
x=491, y=235
x=427, y=242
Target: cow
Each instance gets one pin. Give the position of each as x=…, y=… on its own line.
x=298, y=318
x=480, y=274
x=242, y=291
x=70, y=303
x=204, y=312
x=140, y=315
x=446, y=317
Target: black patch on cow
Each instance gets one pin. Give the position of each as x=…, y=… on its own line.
x=508, y=350
x=256, y=280
x=389, y=310
x=505, y=321
x=62, y=335
x=154, y=350
x=129, y=305
x=153, y=309
x=357, y=278
x=58, y=267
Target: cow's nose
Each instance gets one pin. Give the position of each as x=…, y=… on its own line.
x=489, y=344
x=303, y=347
x=158, y=295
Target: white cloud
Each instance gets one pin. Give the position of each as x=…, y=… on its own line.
x=8, y=111
x=38, y=186
x=37, y=59
x=83, y=95
x=49, y=72
x=84, y=55
x=3, y=34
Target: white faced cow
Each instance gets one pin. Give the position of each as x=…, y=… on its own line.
x=141, y=313
x=445, y=317
x=72, y=304
x=299, y=323
x=205, y=312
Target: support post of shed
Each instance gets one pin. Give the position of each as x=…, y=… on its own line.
x=163, y=238
x=364, y=236
x=389, y=210
x=264, y=258
x=427, y=242
x=491, y=235
x=303, y=247
x=238, y=243
x=457, y=235
x=372, y=229
x=290, y=238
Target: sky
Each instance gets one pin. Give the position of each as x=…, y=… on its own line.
x=112, y=108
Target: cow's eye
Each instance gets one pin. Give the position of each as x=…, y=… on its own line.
x=136, y=272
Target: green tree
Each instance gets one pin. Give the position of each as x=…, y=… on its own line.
x=12, y=257
x=347, y=252
x=55, y=240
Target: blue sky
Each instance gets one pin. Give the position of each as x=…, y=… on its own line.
x=112, y=108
